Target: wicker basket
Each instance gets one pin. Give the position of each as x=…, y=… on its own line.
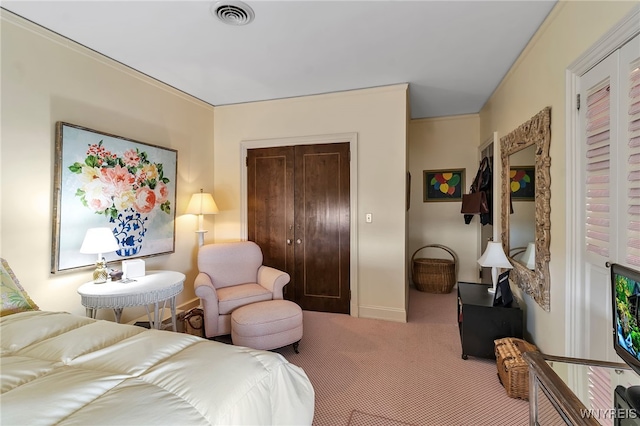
x=434, y=275
x=513, y=370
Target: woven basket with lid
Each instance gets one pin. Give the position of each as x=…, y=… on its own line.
x=513, y=370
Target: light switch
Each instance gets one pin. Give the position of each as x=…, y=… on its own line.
x=368, y=217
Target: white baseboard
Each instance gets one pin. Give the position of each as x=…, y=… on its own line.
x=166, y=317
x=383, y=313
x=193, y=303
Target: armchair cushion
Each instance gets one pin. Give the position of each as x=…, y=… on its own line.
x=230, y=298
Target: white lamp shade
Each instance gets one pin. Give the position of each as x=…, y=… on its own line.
x=529, y=256
x=99, y=240
x=494, y=256
x=202, y=203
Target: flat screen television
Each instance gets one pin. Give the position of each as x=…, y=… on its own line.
x=625, y=286
x=625, y=295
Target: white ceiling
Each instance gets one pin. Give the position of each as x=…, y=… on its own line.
x=453, y=54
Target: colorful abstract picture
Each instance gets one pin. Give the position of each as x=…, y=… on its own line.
x=443, y=185
x=523, y=183
x=104, y=180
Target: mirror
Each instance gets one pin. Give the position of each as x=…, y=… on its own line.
x=522, y=221
x=527, y=146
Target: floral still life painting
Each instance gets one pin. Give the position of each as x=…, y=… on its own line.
x=443, y=185
x=108, y=181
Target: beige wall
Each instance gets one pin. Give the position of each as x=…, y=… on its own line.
x=537, y=80
x=378, y=116
x=65, y=82
x=46, y=79
x=444, y=143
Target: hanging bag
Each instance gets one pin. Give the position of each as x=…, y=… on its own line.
x=475, y=202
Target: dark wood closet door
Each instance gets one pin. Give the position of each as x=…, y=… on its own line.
x=270, y=195
x=322, y=227
x=298, y=213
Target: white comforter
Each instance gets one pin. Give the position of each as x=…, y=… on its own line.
x=59, y=368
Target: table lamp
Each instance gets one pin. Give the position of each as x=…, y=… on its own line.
x=494, y=257
x=529, y=256
x=201, y=203
x=99, y=241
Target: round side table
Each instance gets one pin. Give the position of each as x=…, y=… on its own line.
x=151, y=289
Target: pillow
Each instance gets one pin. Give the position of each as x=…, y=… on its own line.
x=14, y=298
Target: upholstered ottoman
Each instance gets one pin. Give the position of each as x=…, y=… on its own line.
x=267, y=325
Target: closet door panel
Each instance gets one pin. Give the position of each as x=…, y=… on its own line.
x=598, y=104
x=270, y=206
x=629, y=155
x=322, y=227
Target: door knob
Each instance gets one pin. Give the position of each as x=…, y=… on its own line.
x=298, y=241
x=288, y=241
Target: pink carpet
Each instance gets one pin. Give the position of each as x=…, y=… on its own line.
x=379, y=373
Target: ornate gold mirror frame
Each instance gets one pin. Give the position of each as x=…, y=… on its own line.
x=536, y=131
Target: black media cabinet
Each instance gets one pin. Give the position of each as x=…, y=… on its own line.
x=481, y=323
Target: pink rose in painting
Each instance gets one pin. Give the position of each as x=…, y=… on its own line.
x=130, y=158
x=98, y=204
x=94, y=194
x=162, y=193
x=145, y=200
x=117, y=180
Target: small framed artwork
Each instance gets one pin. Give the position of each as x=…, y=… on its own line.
x=503, y=295
x=523, y=183
x=107, y=181
x=443, y=185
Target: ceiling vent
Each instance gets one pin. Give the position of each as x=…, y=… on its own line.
x=233, y=12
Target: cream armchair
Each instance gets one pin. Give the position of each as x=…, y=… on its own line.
x=232, y=275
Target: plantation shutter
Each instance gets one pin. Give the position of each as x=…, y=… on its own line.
x=633, y=176
x=597, y=170
x=600, y=392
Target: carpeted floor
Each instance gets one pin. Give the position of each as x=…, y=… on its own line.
x=379, y=373
x=359, y=418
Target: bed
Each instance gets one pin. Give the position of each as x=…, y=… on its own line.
x=59, y=368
